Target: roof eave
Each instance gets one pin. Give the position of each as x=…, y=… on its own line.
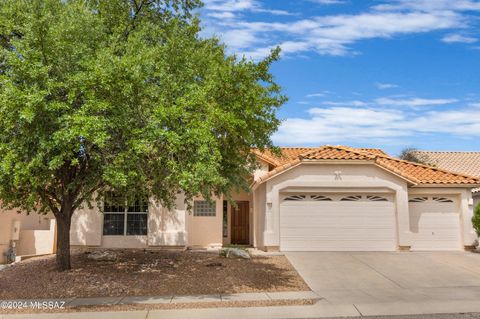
x=457, y=185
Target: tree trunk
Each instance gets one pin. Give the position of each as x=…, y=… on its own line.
x=63, y=238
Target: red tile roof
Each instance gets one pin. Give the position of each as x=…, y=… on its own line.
x=413, y=172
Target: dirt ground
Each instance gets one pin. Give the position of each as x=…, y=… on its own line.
x=148, y=273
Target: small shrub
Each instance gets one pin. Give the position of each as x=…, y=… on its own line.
x=476, y=219
x=223, y=252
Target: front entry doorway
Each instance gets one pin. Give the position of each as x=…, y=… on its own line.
x=240, y=224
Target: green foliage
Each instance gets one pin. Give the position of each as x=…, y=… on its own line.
x=124, y=94
x=476, y=219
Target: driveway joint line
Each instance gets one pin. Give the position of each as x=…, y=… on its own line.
x=446, y=263
x=377, y=271
x=356, y=308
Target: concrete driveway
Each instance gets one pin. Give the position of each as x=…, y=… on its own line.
x=377, y=277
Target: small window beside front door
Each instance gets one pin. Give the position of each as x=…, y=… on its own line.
x=202, y=208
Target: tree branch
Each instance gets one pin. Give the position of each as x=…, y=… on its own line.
x=46, y=197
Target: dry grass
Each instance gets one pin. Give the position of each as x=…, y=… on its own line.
x=148, y=273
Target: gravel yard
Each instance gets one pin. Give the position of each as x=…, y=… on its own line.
x=148, y=273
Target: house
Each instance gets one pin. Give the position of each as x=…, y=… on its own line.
x=30, y=234
x=328, y=198
x=467, y=163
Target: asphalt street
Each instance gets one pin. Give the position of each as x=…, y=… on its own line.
x=439, y=316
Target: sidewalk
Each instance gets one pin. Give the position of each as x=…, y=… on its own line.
x=321, y=309
x=110, y=301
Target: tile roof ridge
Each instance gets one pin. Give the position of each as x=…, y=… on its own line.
x=265, y=158
x=312, y=151
x=355, y=150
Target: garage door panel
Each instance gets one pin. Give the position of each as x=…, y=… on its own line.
x=335, y=245
x=435, y=225
x=337, y=225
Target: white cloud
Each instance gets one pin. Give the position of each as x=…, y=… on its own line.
x=331, y=125
x=458, y=38
x=356, y=103
x=230, y=5
x=430, y=5
x=238, y=39
x=334, y=35
x=329, y=2
x=319, y=94
x=384, y=86
x=474, y=104
x=221, y=15
x=413, y=102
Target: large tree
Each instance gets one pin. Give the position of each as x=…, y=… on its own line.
x=123, y=94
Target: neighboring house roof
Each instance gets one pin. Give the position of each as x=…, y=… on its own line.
x=458, y=162
x=417, y=174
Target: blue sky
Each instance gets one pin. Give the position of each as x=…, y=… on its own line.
x=389, y=74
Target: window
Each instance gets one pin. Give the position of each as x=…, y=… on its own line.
x=320, y=198
x=296, y=197
x=418, y=199
x=375, y=198
x=352, y=198
x=124, y=218
x=442, y=200
x=204, y=208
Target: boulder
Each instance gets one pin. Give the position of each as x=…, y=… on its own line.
x=99, y=255
x=237, y=253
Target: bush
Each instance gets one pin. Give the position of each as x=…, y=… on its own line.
x=476, y=219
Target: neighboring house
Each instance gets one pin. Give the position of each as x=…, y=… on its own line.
x=460, y=162
x=329, y=198
x=31, y=234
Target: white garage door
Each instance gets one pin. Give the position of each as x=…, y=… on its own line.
x=434, y=222
x=345, y=222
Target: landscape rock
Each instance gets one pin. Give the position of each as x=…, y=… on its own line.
x=99, y=255
x=237, y=253
x=4, y=266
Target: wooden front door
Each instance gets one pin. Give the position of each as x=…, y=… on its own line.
x=240, y=224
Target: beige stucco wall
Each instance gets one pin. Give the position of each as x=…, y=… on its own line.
x=27, y=222
x=334, y=177
x=165, y=228
x=259, y=206
x=87, y=226
x=206, y=231
x=261, y=169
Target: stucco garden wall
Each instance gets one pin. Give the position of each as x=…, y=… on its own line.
x=37, y=242
x=27, y=222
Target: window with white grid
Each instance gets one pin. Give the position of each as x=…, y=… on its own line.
x=123, y=217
